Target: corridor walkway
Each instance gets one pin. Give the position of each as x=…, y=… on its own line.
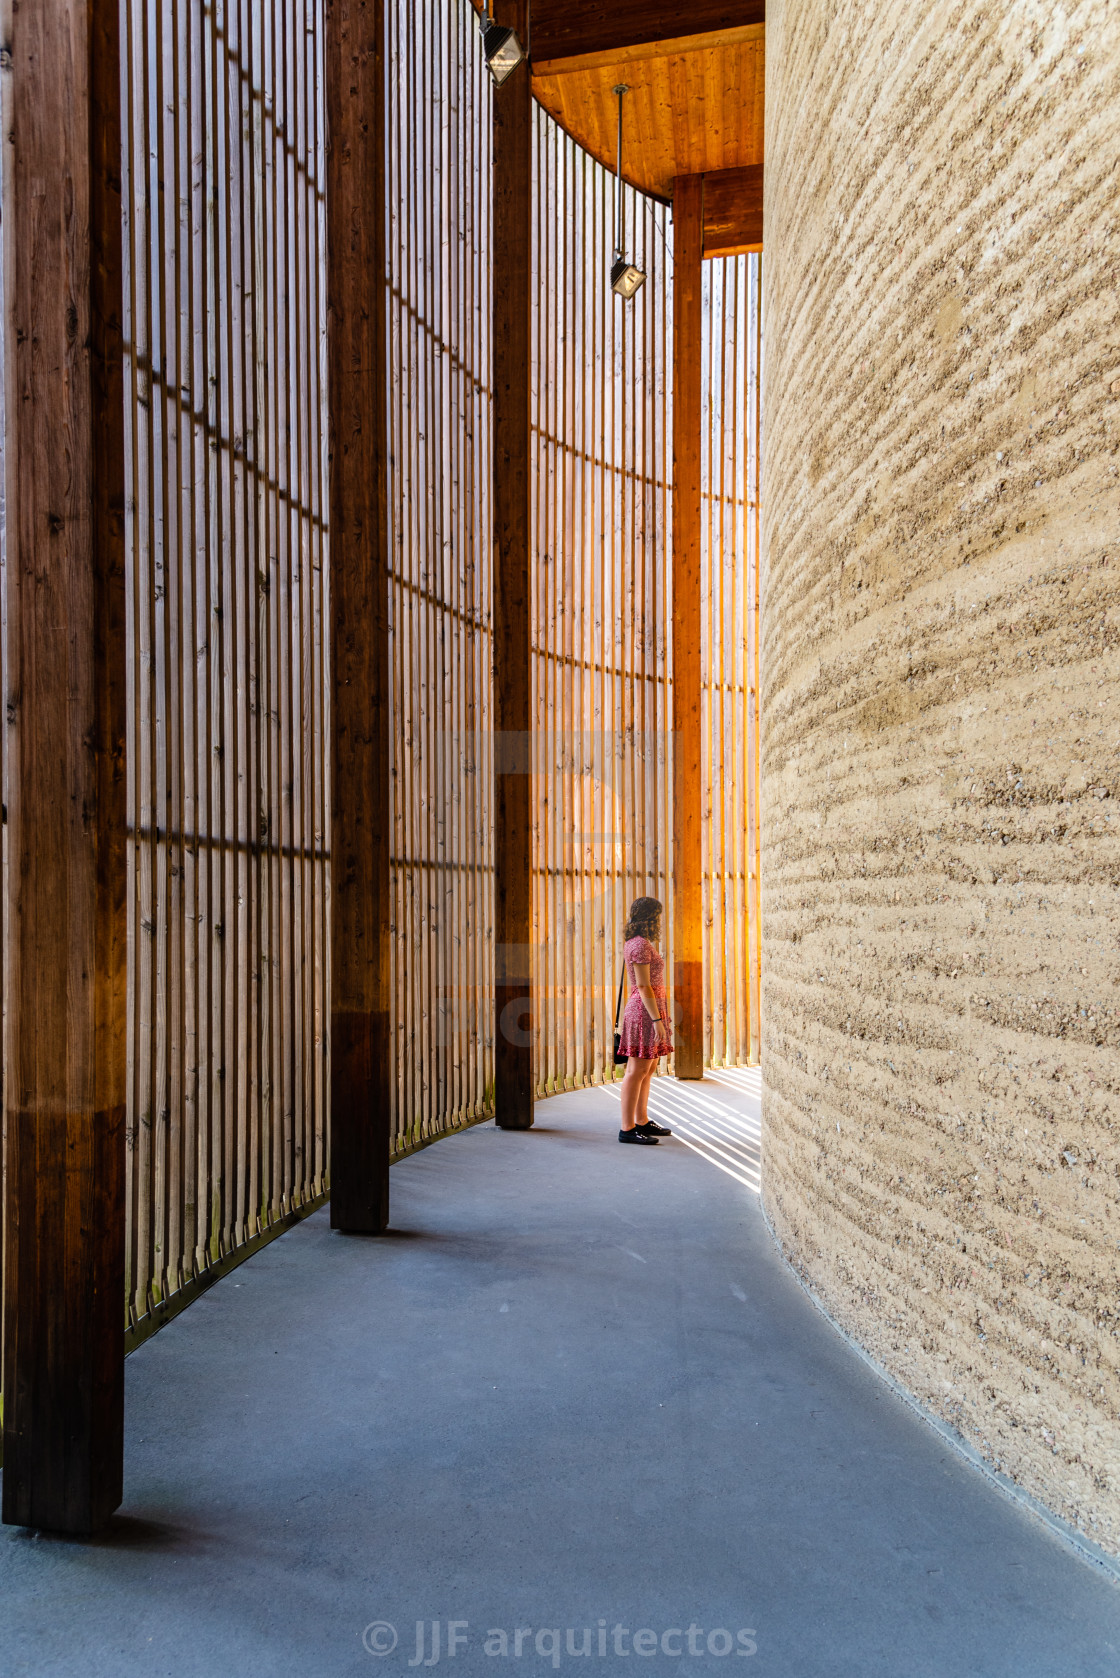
x=575, y=1390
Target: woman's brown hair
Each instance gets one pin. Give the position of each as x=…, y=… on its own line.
x=644, y=920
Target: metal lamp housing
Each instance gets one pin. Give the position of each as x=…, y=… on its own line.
x=625, y=278
x=502, y=49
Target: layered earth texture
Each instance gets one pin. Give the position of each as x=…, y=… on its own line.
x=942, y=709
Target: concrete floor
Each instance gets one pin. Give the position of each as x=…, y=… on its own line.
x=576, y=1389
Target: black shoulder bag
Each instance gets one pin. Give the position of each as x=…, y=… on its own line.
x=619, y=1058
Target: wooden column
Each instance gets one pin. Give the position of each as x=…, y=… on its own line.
x=515, y=1022
x=688, y=962
x=66, y=910
x=361, y=1066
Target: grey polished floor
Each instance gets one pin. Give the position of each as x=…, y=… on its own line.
x=575, y=1390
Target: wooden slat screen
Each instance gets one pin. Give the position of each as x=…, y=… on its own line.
x=440, y=586
x=601, y=608
x=729, y=646
x=227, y=549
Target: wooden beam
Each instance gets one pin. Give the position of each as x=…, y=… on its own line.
x=688, y=960
x=361, y=1066
x=65, y=1068
x=648, y=52
x=513, y=858
x=569, y=30
x=733, y=211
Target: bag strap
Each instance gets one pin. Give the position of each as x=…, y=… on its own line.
x=618, y=1004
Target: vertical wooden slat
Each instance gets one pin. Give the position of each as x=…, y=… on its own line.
x=301, y=41
x=181, y=669
x=433, y=619
x=417, y=555
x=481, y=731
x=561, y=636
x=735, y=639
x=65, y=1047
x=561, y=632
x=400, y=779
x=226, y=512
x=638, y=653
x=210, y=405
x=579, y=650
x=688, y=979
x=756, y=765
x=263, y=604
x=316, y=149
x=4, y=178
x=240, y=727
x=361, y=1090
x=139, y=402
x=457, y=841
x=194, y=637
x=464, y=555
x=417, y=559
x=167, y=626
x=665, y=806
x=287, y=313
x=711, y=509
x=611, y=544
x=515, y=1017
x=157, y=651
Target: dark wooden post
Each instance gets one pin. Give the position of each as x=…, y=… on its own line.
x=515, y=1018
x=65, y=1085
x=688, y=949
x=361, y=1065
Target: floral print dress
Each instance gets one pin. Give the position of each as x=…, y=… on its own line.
x=638, y=1030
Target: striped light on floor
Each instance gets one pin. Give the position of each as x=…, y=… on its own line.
x=718, y=1118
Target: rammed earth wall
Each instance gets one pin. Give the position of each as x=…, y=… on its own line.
x=941, y=699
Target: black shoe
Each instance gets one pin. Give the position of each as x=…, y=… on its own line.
x=650, y=1128
x=638, y=1136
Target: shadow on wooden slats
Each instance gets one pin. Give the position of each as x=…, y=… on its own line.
x=227, y=562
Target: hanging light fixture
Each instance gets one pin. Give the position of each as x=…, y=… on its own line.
x=502, y=49
x=626, y=277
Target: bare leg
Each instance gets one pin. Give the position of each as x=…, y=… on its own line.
x=643, y=1093
x=632, y=1084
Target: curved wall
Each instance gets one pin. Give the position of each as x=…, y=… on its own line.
x=941, y=1009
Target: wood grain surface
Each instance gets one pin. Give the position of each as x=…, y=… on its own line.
x=515, y=1017
x=361, y=1070
x=695, y=105
x=563, y=30
x=65, y=1055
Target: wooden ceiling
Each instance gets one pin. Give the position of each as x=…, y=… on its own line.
x=570, y=28
x=696, y=100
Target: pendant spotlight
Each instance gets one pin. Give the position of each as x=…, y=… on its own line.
x=626, y=277
x=502, y=50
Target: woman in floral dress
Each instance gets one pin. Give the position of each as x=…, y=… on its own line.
x=645, y=1033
